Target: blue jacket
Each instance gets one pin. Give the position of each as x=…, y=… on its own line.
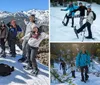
x=82, y=59
x=72, y=8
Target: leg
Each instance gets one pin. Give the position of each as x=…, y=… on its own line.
x=67, y=21
x=72, y=21
x=89, y=30
x=81, y=20
x=86, y=73
x=13, y=50
x=19, y=44
x=3, y=44
x=33, y=58
x=82, y=75
x=81, y=29
x=28, y=56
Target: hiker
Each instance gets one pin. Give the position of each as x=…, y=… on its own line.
x=34, y=37
x=89, y=21
x=82, y=62
x=63, y=66
x=82, y=9
x=28, y=30
x=71, y=7
x=12, y=37
x=73, y=70
x=3, y=38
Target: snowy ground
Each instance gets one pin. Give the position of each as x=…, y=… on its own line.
x=22, y=77
x=93, y=80
x=58, y=32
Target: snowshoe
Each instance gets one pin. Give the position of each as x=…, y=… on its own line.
x=27, y=67
x=90, y=38
x=64, y=23
x=22, y=60
x=35, y=72
x=75, y=30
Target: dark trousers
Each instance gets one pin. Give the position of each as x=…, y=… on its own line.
x=69, y=17
x=64, y=70
x=31, y=56
x=84, y=69
x=12, y=46
x=2, y=44
x=73, y=74
x=88, y=25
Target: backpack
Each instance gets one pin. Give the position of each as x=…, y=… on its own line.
x=5, y=69
x=94, y=15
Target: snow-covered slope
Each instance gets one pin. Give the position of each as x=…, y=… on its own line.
x=93, y=79
x=59, y=32
x=22, y=77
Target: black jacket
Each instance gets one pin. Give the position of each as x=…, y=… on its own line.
x=82, y=10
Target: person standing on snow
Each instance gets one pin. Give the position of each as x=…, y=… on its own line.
x=3, y=37
x=89, y=21
x=83, y=61
x=12, y=37
x=73, y=70
x=34, y=37
x=71, y=7
x=63, y=66
x=28, y=30
x=82, y=9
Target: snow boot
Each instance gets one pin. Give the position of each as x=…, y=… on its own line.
x=88, y=37
x=35, y=72
x=64, y=23
x=27, y=67
x=22, y=60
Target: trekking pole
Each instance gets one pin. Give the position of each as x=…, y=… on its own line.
x=83, y=35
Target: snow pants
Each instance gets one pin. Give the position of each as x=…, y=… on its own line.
x=81, y=21
x=88, y=25
x=69, y=17
x=64, y=70
x=2, y=42
x=12, y=43
x=73, y=74
x=31, y=56
x=24, y=48
x=84, y=69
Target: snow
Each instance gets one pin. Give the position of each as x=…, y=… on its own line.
x=58, y=32
x=21, y=76
x=93, y=79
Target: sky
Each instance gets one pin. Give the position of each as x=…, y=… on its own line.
x=23, y=5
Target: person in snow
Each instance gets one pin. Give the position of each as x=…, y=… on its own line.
x=83, y=61
x=3, y=37
x=71, y=7
x=34, y=38
x=73, y=70
x=89, y=21
x=63, y=66
x=82, y=9
x=12, y=37
x=28, y=30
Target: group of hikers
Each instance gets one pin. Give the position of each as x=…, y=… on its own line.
x=28, y=43
x=82, y=63
x=90, y=17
